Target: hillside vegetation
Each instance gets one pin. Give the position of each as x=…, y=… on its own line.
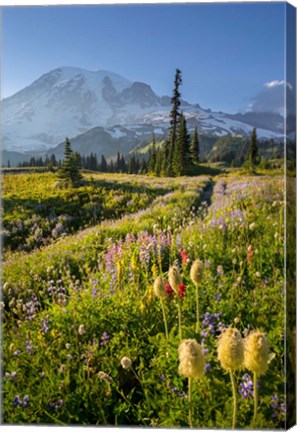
x=89, y=340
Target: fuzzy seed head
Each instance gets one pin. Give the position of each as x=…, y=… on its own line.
x=191, y=359
x=174, y=278
x=159, y=287
x=256, y=352
x=196, y=272
x=231, y=349
x=105, y=377
x=126, y=363
x=81, y=330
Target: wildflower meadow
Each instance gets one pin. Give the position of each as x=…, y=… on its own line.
x=144, y=301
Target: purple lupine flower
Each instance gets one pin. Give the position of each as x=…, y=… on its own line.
x=104, y=338
x=204, y=333
x=56, y=404
x=217, y=297
x=28, y=346
x=94, y=288
x=25, y=402
x=45, y=324
x=21, y=402
x=17, y=401
x=275, y=402
x=246, y=387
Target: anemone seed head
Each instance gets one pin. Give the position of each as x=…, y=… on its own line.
x=231, y=349
x=191, y=359
x=159, y=287
x=256, y=352
x=174, y=278
x=126, y=363
x=196, y=272
x=105, y=377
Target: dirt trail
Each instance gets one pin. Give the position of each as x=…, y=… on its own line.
x=207, y=193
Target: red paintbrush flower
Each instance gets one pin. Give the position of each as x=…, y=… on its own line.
x=184, y=257
x=182, y=291
x=168, y=289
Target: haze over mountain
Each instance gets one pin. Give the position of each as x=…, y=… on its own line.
x=108, y=113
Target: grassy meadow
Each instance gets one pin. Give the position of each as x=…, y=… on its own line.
x=88, y=340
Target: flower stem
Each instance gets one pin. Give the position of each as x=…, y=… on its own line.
x=234, y=399
x=179, y=320
x=197, y=310
x=164, y=319
x=255, y=396
x=190, y=381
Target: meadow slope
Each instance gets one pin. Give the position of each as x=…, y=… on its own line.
x=76, y=304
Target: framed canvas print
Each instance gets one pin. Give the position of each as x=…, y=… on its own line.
x=148, y=224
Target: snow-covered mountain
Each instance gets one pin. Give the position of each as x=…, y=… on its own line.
x=70, y=101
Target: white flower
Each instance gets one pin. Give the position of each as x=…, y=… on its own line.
x=220, y=270
x=81, y=329
x=252, y=226
x=126, y=363
x=258, y=274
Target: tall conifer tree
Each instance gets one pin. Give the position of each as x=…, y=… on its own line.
x=181, y=158
x=252, y=154
x=195, y=150
x=174, y=118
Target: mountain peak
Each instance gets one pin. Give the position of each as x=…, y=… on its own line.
x=69, y=101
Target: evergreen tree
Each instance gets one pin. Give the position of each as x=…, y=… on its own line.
x=93, y=163
x=111, y=167
x=166, y=165
x=195, y=150
x=32, y=162
x=69, y=172
x=103, y=164
x=137, y=166
x=182, y=158
x=53, y=160
x=143, y=167
x=123, y=166
x=174, y=119
x=252, y=154
x=158, y=166
x=153, y=156
x=8, y=163
x=117, y=166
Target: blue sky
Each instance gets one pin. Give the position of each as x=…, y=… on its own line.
x=226, y=52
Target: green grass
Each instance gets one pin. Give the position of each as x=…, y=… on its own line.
x=37, y=212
